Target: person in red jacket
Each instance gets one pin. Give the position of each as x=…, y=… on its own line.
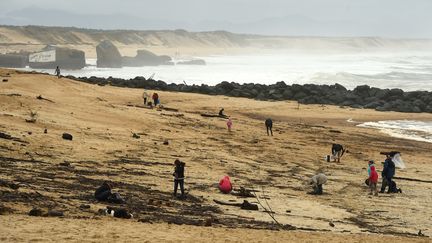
x=225, y=185
x=373, y=180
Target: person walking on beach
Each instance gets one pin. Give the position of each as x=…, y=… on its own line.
x=387, y=174
x=145, y=96
x=229, y=124
x=155, y=98
x=57, y=72
x=269, y=125
x=179, y=177
x=373, y=180
x=317, y=181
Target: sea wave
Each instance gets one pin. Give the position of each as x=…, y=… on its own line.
x=407, y=129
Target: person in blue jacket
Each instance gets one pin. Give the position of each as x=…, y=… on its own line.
x=388, y=173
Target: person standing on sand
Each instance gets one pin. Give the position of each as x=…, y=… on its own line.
x=155, y=98
x=229, y=124
x=387, y=173
x=179, y=177
x=269, y=125
x=373, y=180
x=145, y=96
x=337, y=152
x=57, y=72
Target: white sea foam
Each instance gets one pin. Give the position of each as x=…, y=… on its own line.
x=409, y=71
x=407, y=129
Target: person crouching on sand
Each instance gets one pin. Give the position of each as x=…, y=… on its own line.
x=229, y=124
x=317, y=181
x=179, y=177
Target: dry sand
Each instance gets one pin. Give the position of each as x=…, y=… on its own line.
x=102, y=120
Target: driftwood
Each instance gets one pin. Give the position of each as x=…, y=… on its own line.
x=243, y=192
x=39, y=97
x=213, y=115
x=411, y=179
x=175, y=115
x=244, y=205
x=9, y=137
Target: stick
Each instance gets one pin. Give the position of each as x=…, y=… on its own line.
x=267, y=211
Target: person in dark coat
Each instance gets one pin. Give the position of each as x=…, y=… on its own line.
x=337, y=152
x=179, y=177
x=387, y=174
x=269, y=125
x=103, y=192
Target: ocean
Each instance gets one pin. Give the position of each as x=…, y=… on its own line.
x=406, y=70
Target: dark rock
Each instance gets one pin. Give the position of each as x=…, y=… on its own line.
x=166, y=142
x=108, y=55
x=84, y=206
x=134, y=135
x=36, y=212
x=67, y=136
x=5, y=80
x=248, y=206
x=45, y=131
x=65, y=163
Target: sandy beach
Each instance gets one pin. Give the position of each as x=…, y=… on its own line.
x=102, y=120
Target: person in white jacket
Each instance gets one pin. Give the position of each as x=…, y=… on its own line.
x=317, y=181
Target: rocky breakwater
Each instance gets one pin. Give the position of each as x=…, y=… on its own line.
x=361, y=97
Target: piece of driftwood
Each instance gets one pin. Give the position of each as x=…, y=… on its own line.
x=245, y=205
x=213, y=115
x=39, y=97
x=242, y=192
x=411, y=179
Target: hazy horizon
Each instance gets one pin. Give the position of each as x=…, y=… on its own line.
x=331, y=18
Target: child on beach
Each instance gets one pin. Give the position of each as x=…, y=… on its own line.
x=229, y=124
x=373, y=180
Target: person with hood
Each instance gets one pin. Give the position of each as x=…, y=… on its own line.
x=179, y=177
x=387, y=174
x=316, y=182
x=269, y=124
x=373, y=180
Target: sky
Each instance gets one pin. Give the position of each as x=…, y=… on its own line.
x=382, y=18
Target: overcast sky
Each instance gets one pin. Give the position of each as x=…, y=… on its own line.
x=386, y=18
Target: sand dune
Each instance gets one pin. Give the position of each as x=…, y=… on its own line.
x=102, y=120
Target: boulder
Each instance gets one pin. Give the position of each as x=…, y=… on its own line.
x=108, y=55
x=146, y=58
x=67, y=136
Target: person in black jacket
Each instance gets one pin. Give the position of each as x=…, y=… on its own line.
x=179, y=177
x=337, y=152
x=387, y=173
x=269, y=125
x=103, y=192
